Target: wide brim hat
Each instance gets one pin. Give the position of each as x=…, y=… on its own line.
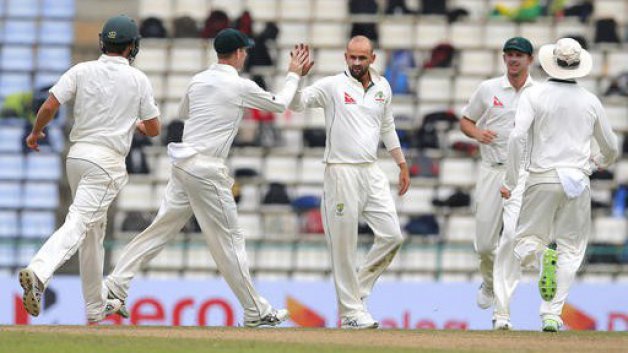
x=565, y=60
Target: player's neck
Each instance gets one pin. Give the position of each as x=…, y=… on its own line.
x=365, y=79
x=517, y=81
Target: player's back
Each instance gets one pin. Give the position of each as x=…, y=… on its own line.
x=215, y=110
x=108, y=99
x=564, y=118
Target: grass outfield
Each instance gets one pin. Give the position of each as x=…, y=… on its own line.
x=106, y=339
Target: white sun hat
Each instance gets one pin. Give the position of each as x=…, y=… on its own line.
x=565, y=60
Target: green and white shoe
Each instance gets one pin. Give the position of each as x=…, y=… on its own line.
x=122, y=311
x=547, y=280
x=550, y=325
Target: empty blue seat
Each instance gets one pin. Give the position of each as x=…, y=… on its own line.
x=40, y=195
x=57, y=58
x=11, y=166
x=19, y=32
x=43, y=166
x=37, y=224
x=10, y=194
x=9, y=225
x=7, y=254
x=11, y=139
x=56, y=32
x=22, y=8
x=14, y=82
x=58, y=8
x=19, y=58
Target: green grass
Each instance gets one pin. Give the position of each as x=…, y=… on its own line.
x=132, y=339
x=23, y=342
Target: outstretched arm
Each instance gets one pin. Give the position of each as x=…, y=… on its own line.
x=257, y=98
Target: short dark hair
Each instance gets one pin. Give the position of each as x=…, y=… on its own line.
x=224, y=56
x=114, y=48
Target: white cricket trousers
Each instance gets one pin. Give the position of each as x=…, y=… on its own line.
x=492, y=215
x=506, y=268
x=93, y=188
x=546, y=210
x=351, y=191
x=209, y=198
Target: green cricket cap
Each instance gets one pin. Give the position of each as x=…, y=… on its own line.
x=229, y=40
x=519, y=44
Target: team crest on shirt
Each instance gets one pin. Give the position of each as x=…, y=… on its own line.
x=379, y=97
x=349, y=99
x=497, y=102
x=340, y=209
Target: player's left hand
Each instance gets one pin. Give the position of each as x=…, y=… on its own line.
x=404, y=178
x=31, y=140
x=505, y=192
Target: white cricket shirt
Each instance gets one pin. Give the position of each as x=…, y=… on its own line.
x=213, y=106
x=559, y=119
x=355, y=118
x=492, y=106
x=109, y=96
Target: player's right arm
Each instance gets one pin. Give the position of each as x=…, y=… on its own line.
x=469, y=128
x=45, y=114
x=63, y=91
x=474, y=109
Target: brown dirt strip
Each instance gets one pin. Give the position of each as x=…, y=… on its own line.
x=489, y=341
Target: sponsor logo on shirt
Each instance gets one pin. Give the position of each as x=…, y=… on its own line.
x=379, y=97
x=497, y=102
x=349, y=99
x=340, y=209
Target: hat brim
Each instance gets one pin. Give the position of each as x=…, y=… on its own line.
x=550, y=66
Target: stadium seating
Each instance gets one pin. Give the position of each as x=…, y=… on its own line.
x=35, y=48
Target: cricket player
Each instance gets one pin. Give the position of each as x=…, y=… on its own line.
x=489, y=117
x=109, y=97
x=357, y=115
x=200, y=184
x=559, y=119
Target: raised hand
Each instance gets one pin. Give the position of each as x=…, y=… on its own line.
x=299, y=57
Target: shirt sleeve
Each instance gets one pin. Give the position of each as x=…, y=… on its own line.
x=148, y=107
x=516, y=142
x=388, y=132
x=255, y=97
x=476, y=106
x=184, y=107
x=65, y=89
x=605, y=138
x=314, y=96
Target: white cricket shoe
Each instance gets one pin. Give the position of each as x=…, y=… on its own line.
x=276, y=317
x=485, y=298
x=112, y=306
x=502, y=325
x=361, y=322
